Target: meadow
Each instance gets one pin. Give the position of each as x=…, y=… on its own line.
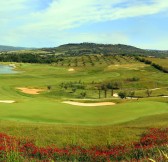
x=44, y=118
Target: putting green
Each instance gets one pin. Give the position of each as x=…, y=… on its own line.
x=49, y=111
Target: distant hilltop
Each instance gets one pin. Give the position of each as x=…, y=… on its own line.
x=89, y=48
x=105, y=49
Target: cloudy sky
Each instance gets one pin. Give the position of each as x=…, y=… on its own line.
x=48, y=23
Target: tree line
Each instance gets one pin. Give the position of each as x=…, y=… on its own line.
x=30, y=58
x=157, y=66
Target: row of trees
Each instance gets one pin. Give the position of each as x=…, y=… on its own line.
x=62, y=59
x=92, y=60
x=101, y=87
x=73, y=86
x=108, y=86
x=30, y=58
x=124, y=94
x=157, y=66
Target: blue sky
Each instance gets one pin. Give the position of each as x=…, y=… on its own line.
x=48, y=23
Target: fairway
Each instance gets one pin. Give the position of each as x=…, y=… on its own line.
x=32, y=101
x=60, y=113
x=83, y=81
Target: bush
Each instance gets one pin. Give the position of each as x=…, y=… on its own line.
x=133, y=79
x=122, y=95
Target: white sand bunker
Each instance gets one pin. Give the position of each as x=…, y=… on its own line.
x=71, y=69
x=154, y=89
x=115, y=95
x=89, y=104
x=7, y=101
x=31, y=90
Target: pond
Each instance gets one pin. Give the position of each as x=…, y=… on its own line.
x=5, y=69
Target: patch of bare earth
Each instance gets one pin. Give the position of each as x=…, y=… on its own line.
x=89, y=104
x=31, y=90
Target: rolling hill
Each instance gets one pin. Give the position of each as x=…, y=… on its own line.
x=74, y=49
x=106, y=49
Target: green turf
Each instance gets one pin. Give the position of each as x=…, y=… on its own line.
x=88, y=136
x=46, y=119
x=55, y=112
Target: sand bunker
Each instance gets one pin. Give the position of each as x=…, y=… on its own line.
x=7, y=101
x=115, y=95
x=155, y=89
x=71, y=69
x=31, y=91
x=89, y=104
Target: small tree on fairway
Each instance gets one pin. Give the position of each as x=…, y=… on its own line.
x=122, y=95
x=73, y=90
x=83, y=94
x=132, y=94
x=98, y=87
x=49, y=87
x=148, y=92
x=65, y=87
x=62, y=85
x=111, y=86
x=104, y=88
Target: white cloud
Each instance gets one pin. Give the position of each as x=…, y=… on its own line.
x=65, y=14
x=20, y=20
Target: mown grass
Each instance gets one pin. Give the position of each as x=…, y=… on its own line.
x=49, y=111
x=46, y=120
x=62, y=135
x=40, y=76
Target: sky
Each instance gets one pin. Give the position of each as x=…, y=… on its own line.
x=50, y=23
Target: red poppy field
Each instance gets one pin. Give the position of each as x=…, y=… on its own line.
x=15, y=149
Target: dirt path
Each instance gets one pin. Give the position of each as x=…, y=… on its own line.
x=31, y=91
x=89, y=104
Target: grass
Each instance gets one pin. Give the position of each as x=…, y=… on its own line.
x=62, y=135
x=60, y=113
x=45, y=119
x=160, y=61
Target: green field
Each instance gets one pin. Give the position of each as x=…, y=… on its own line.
x=33, y=116
x=160, y=61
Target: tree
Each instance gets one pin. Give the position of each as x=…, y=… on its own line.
x=117, y=85
x=122, y=95
x=62, y=85
x=99, y=90
x=148, y=92
x=83, y=94
x=132, y=94
x=49, y=87
x=65, y=87
x=111, y=87
x=104, y=88
x=73, y=90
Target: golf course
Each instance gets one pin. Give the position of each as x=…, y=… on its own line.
x=83, y=81
x=42, y=96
